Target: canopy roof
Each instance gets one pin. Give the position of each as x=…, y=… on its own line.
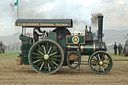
x=44, y=22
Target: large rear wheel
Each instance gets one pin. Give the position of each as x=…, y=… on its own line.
x=46, y=56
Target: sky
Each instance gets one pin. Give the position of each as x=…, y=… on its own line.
x=115, y=13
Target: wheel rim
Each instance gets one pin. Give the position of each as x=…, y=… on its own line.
x=46, y=56
x=100, y=62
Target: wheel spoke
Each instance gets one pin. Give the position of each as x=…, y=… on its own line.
x=50, y=63
x=94, y=67
x=93, y=62
x=41, y=66
x=103, y=56
x=55, y=56
x=53, y=53
x=96, y=56
x=105, y=66
x=44, y=49
x=37, y=57
x=99, y=57
x=107, y=59
x=94, y=59
x=55, y=63
x=49, y=67
x=102, y=68
x=37, y=61
x=53, y=50
x=40, y=52
x=49, y=50
x=54, y=59
x=40, y=48
x=36, y=54
x=106, y=62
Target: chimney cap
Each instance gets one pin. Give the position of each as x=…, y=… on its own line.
x=100, y=15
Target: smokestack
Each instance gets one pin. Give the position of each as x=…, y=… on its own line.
x=86, y=29
x=89, y=29
x=100, y=27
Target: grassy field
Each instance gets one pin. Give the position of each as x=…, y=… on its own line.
x=9, y=55
x=117, y=56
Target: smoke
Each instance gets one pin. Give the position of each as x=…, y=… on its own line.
x=79, y=11
x=83, y=12
x=94, y=18
x=63, y=9
x=57, y=9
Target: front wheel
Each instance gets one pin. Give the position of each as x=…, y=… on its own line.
x=46, y=56
x=100, y=62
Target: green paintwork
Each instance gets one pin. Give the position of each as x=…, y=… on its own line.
x=80, y=39
x=52, y=36
x=86, y=49
x=26, y=45
x=62, y=42
x=24, y=39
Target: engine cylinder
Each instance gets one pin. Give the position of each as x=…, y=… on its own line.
x=88, y=49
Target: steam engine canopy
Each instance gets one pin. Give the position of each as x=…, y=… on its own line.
x=44, y=22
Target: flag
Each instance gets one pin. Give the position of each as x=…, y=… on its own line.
x=14, y=3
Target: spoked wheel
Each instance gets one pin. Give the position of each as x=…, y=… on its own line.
x=46, y=56
x=100, y=62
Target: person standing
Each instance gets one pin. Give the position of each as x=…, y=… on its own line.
x=119, y=48
x=115, y=49
x=36, y=33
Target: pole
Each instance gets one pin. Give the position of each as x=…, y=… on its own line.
x=17, y=9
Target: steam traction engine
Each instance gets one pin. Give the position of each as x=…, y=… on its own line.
x=2, y=47
x=61, y=48
x=125, y=51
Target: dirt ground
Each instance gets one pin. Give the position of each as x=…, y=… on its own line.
x=12, y=74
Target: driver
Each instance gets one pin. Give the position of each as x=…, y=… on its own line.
x=37, y=32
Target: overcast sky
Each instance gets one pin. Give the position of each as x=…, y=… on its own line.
x=115, y=13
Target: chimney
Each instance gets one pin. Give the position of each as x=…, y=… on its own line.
x=100, y=27
x=86, y=29
x=89, y=29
